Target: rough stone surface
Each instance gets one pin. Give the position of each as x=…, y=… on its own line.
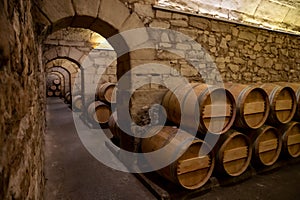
x=22, y=101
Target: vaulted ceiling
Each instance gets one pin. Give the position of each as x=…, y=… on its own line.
x=273, y=14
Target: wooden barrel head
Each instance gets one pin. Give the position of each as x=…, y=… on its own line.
x=254, y=107
x=285, y=105
x=194, y=169
x=217, y=110
x=53, y=87
x=291, y=139
x=50, y=93
x=266, y=146
x=105, y=92
x=77, y=102
x=234, y=154
x=102, y=114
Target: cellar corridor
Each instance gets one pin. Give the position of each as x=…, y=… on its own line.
x=72, y=173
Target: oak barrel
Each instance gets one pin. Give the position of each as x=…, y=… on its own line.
x=99, y=112
x=53, y=87
x=267, y=145
x=105, y=92
x=296, y=88
x=282, y=103
x=57, y=93
x=68, y=97
x=252, y=105
x=56, y=81
x=192, y=169
x=233, y=153
x=291, y=139
x=50, y=93
x=215, y=116
x=113, y=125
x=77, y=102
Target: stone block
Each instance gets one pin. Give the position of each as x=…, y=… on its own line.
x=144, y=10
x=247, y=36
x=86, y=8
x=159, y=24
x=163, y=14
x=199, y=22
x=180, y=16
x=180, y=23
x=75, y=54
x=132, y=22
x=234, y=68
x=50, y=54
x=56, y=10
x=116, y=17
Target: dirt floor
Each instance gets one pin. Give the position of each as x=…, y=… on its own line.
x=72, y=173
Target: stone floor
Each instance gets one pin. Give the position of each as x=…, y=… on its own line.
x=72, y=173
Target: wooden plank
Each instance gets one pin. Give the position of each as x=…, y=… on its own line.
x=283, y=105
x=219, y=110
x=235, y=154
x=254, y=107
x=294, y=139
x=268, y=145
x=193, y=164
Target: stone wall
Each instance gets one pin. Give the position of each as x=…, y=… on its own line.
x=22, y=118
x=241, y=54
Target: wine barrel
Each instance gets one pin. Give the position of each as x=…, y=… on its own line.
x=216, y=116
x=77, y=103
x=68, y=97
x=252, y=105
x=296, y=88
x=282, y=103
x=105, y=92
x=56, y=81
x=57, y=93
x=99, y=112
x=267, y=145
x=50, y=93
x=191, y=170
x=291, y=139
x=233, y=153
x=53, y=87
x=113, y=126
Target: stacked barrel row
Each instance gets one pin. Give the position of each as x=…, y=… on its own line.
x=54, y=88
x=253, y=122
x=97, y=110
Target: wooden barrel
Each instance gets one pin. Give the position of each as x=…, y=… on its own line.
x=282, y=103
x=233, y=153
x=113, y=126
x=56, y=81
x=105, y=92
x=99, y=112
x=215, y=116
x=77, y=103
x=68, y=97
x=191, y=170
x=252, y=105
x=267, y=145
x=57, y=93
x=53, y=87
x=296, y=88
x=50, y=93
x=291, y=139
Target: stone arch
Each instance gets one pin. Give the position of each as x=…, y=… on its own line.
x=69, y=65
x=67, y=77
x=95, y=15
x=70, y=53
